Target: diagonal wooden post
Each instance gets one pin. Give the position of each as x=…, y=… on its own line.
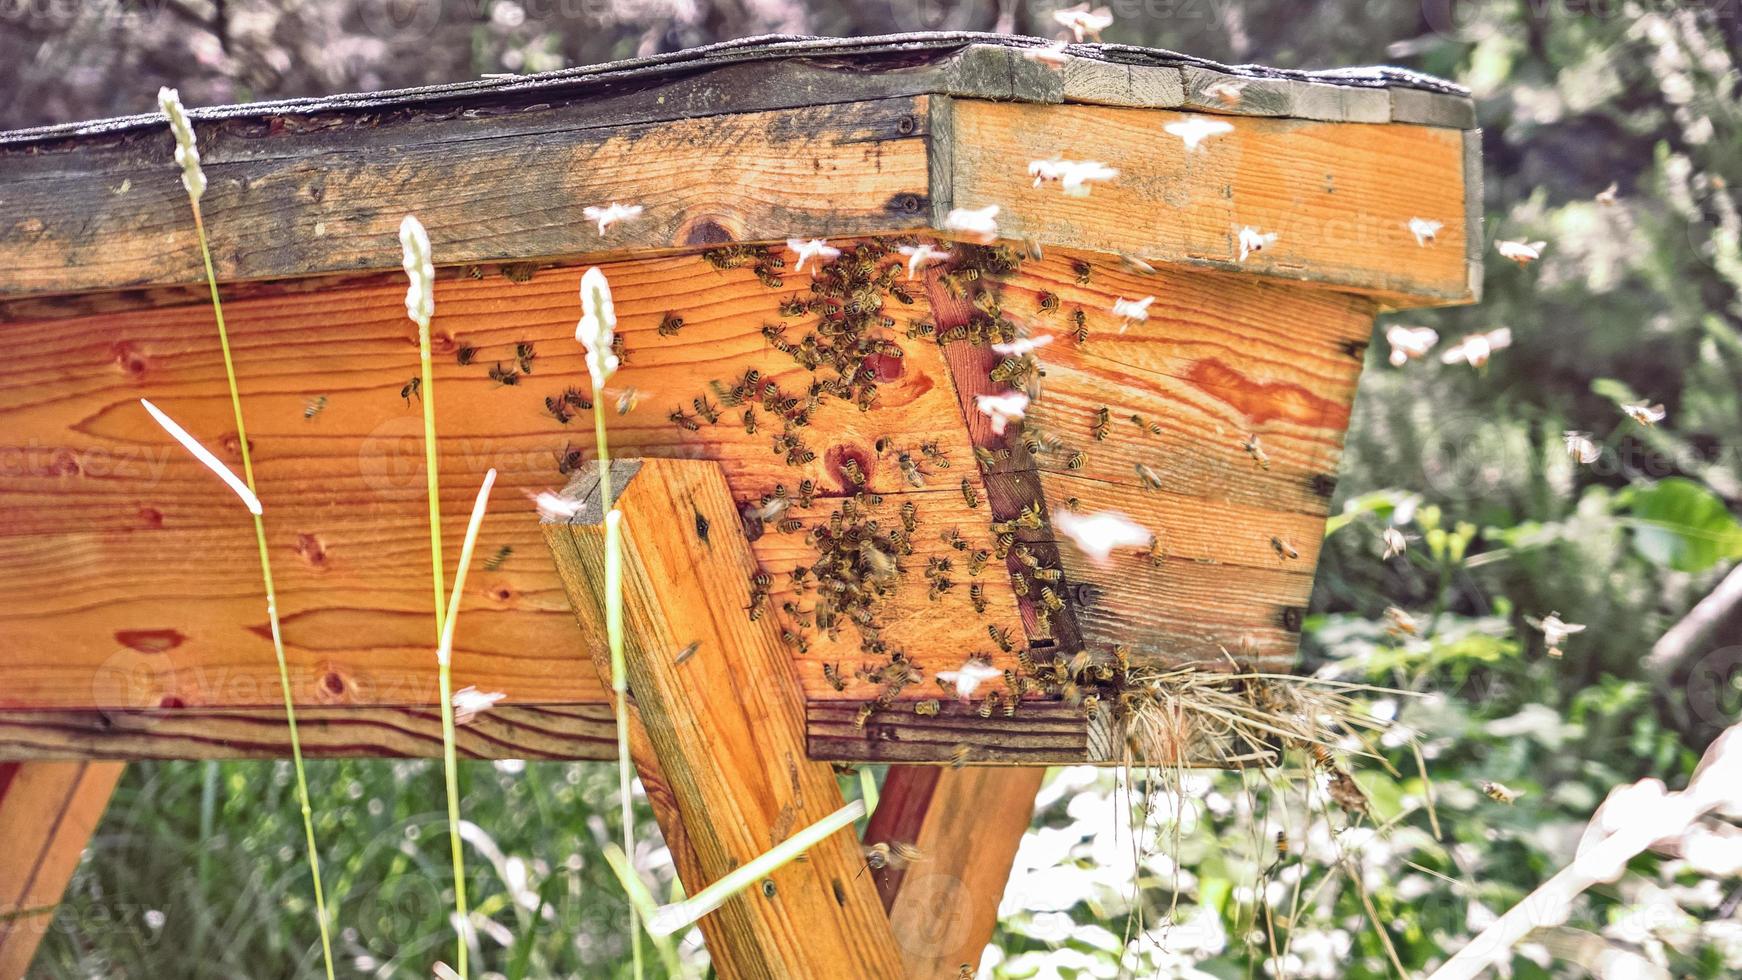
x=967, y=823
x=47, y=813
x=725, y=725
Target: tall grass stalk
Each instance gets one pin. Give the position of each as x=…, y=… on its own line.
x=194, y=180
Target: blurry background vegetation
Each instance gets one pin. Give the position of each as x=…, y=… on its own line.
x=196, y=871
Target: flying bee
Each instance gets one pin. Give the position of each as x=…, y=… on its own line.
x=1049, y=302
x=410, y=388
x=464, y=354
x=1284, y=549
x=909, y=516
x=910, y=470
x=960, y=754
x=892, y=855
x=1103, y=424
x=927, y=708
x=495, y=561
x=977, y=595
x=1152, y=428
x=627, y=401
x=706, y=409
x=863, y=715
x=832, y=674
x=1001, y=636
x=684, y=420
x=1151, y=480
x=1499, y=793
x=314, y=406
x=1281, y=844
x=670, y=324
x=558, y=409
x=568, y=460
x=686, y=653
x=969, y=494
x=750, y=421
x=523, y=355
x=1256, y=451
x=504, y=376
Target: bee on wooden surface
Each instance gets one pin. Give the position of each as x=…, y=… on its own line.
x=765, y=275
x=990, y=704
x=669, y=325
x=969, y=494
x=1030, y=517
x=576, y=400
x=1081, y=270
x=960, y=755
x=684, y=420
x=1001, y=546
x=1051, y=599
x=1150, y=479
x=464, y=354
x=568, y=460
x=706, y=409
x=1152, y=428
x=686, y=653
x=1049, y=574
x=940, y=587
x=620, y=348
x=1103, y=424
x=918, y=329
x=807, y=493
x=1157, y=557
x=1075, y=460
x=314, y=406
x=1256, y=451
x=910, y=470
x=935, y=456
x=1027, y=557
x=977, y=595
x=495, y=561
x=558, y=409
x=411, y=388
x=850, y=468
x=977, y=561
x=504, y=376
x=1091, y=703
x=523, y=356
x=909, y=516
x=793, y=306
x=750, y=421
x=863, y=715
x=832, y=674
x=989, y=457
x=1001, y=636
x=1500, y=793
x=927, y=708
x=1049, y=302
x=789, y=525
x=1284, y=549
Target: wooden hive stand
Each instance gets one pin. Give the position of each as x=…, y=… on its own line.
x=132, y=628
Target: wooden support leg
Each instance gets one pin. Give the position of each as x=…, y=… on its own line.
x=47, y=813
x=726, y=725
x=968, y=823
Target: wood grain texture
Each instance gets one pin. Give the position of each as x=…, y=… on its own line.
x=726, y=724
x=48, y=811
x=283, y=207
x=967, y=824
x=1339, y=196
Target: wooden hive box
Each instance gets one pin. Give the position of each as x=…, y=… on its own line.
x=132, y=625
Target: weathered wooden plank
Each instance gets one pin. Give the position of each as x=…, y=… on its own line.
x=1338, y=196
x=967, y=824
x=48, y=811
x=508, y=731
x=1041, y=733
x=726, y=723
x=824, y=170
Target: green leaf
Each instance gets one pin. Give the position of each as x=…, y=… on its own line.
x=1680, y=524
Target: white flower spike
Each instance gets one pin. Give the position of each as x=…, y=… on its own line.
x=980, y=225
x=469, y=702
x=596, y=326
x=611, y=214
x=1002, y=409
x=1524, y=253
x=921, y=255
x=205, y=456
x=974, y=671
x=1073, y=175
x=1409, y=343
x=816, y=248
x=1023, y=346
x=1083, y=22
x=187, y=152
x=419, y=269
x=1424, y=230
x=1195, y=130
x=1252, y=240
x=1098, y=535
x=1475, y=349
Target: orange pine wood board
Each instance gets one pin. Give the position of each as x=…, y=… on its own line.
x=1339, y=196
x=47, y=813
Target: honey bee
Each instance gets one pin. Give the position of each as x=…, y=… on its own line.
x=750, y=421
x=1142, y=423
x=1281, y=844
x=1051, y=599
x=670, y=324
x=1049, y=574
x=927, y=708
x=523, y=355
x=314, y=406
x=990, y=704
x=706, y=409
x=909, y=516
x=850, y=467
x=627, y=401
x=1150, y=479
x=410, y=388
x=1049, y=302
x=1081, y=269
x=977, y=561
x=960, y=754
x=977, y=595
x=1074, y=461
x=832, y=674
x=568, y=460
x=969, y=494
x=686, y=653
x=910, y=470
x=1256, y=451
x=504, y=376
x=495, y=561
x=988, y=458
x=863, y=715
x=965, y=972
x=684, y=420
x=558, y=409
x=619, y=348
x=464, y=354
x=1284, y=549
x=1001, y=636
x=1500, y=793
x=1103, y=424
x=807, y=492
x=953, y=538
x=892, y=855
x=1156, y=556
x=1080, y=325
x=935, y=456
x=576, y=400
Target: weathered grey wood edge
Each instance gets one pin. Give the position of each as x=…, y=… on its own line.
x=1475, y=237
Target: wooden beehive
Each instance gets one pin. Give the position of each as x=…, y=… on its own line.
x=132, y=625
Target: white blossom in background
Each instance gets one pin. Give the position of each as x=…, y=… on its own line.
x=1580, y=447
x=1073, y=175
x=1475, y=349
x=611, y=214
x=596, y=326
x=1002, y=409
x=205, y=456
x=1252, y=240
x=1645, y=414
x=981, y=225
x=921, y=255
x=815, y=248
x=968, y=678
x=1083, y=22
x=1424, y=230
x=1098, y=535
x=1524, y=253
x=1195, y=130
x=1022, y=346
x=1131, y=311
x=1409, y=343
x=1395, y=543
x=187, y=152
x=419, y=269
x=469, y=702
